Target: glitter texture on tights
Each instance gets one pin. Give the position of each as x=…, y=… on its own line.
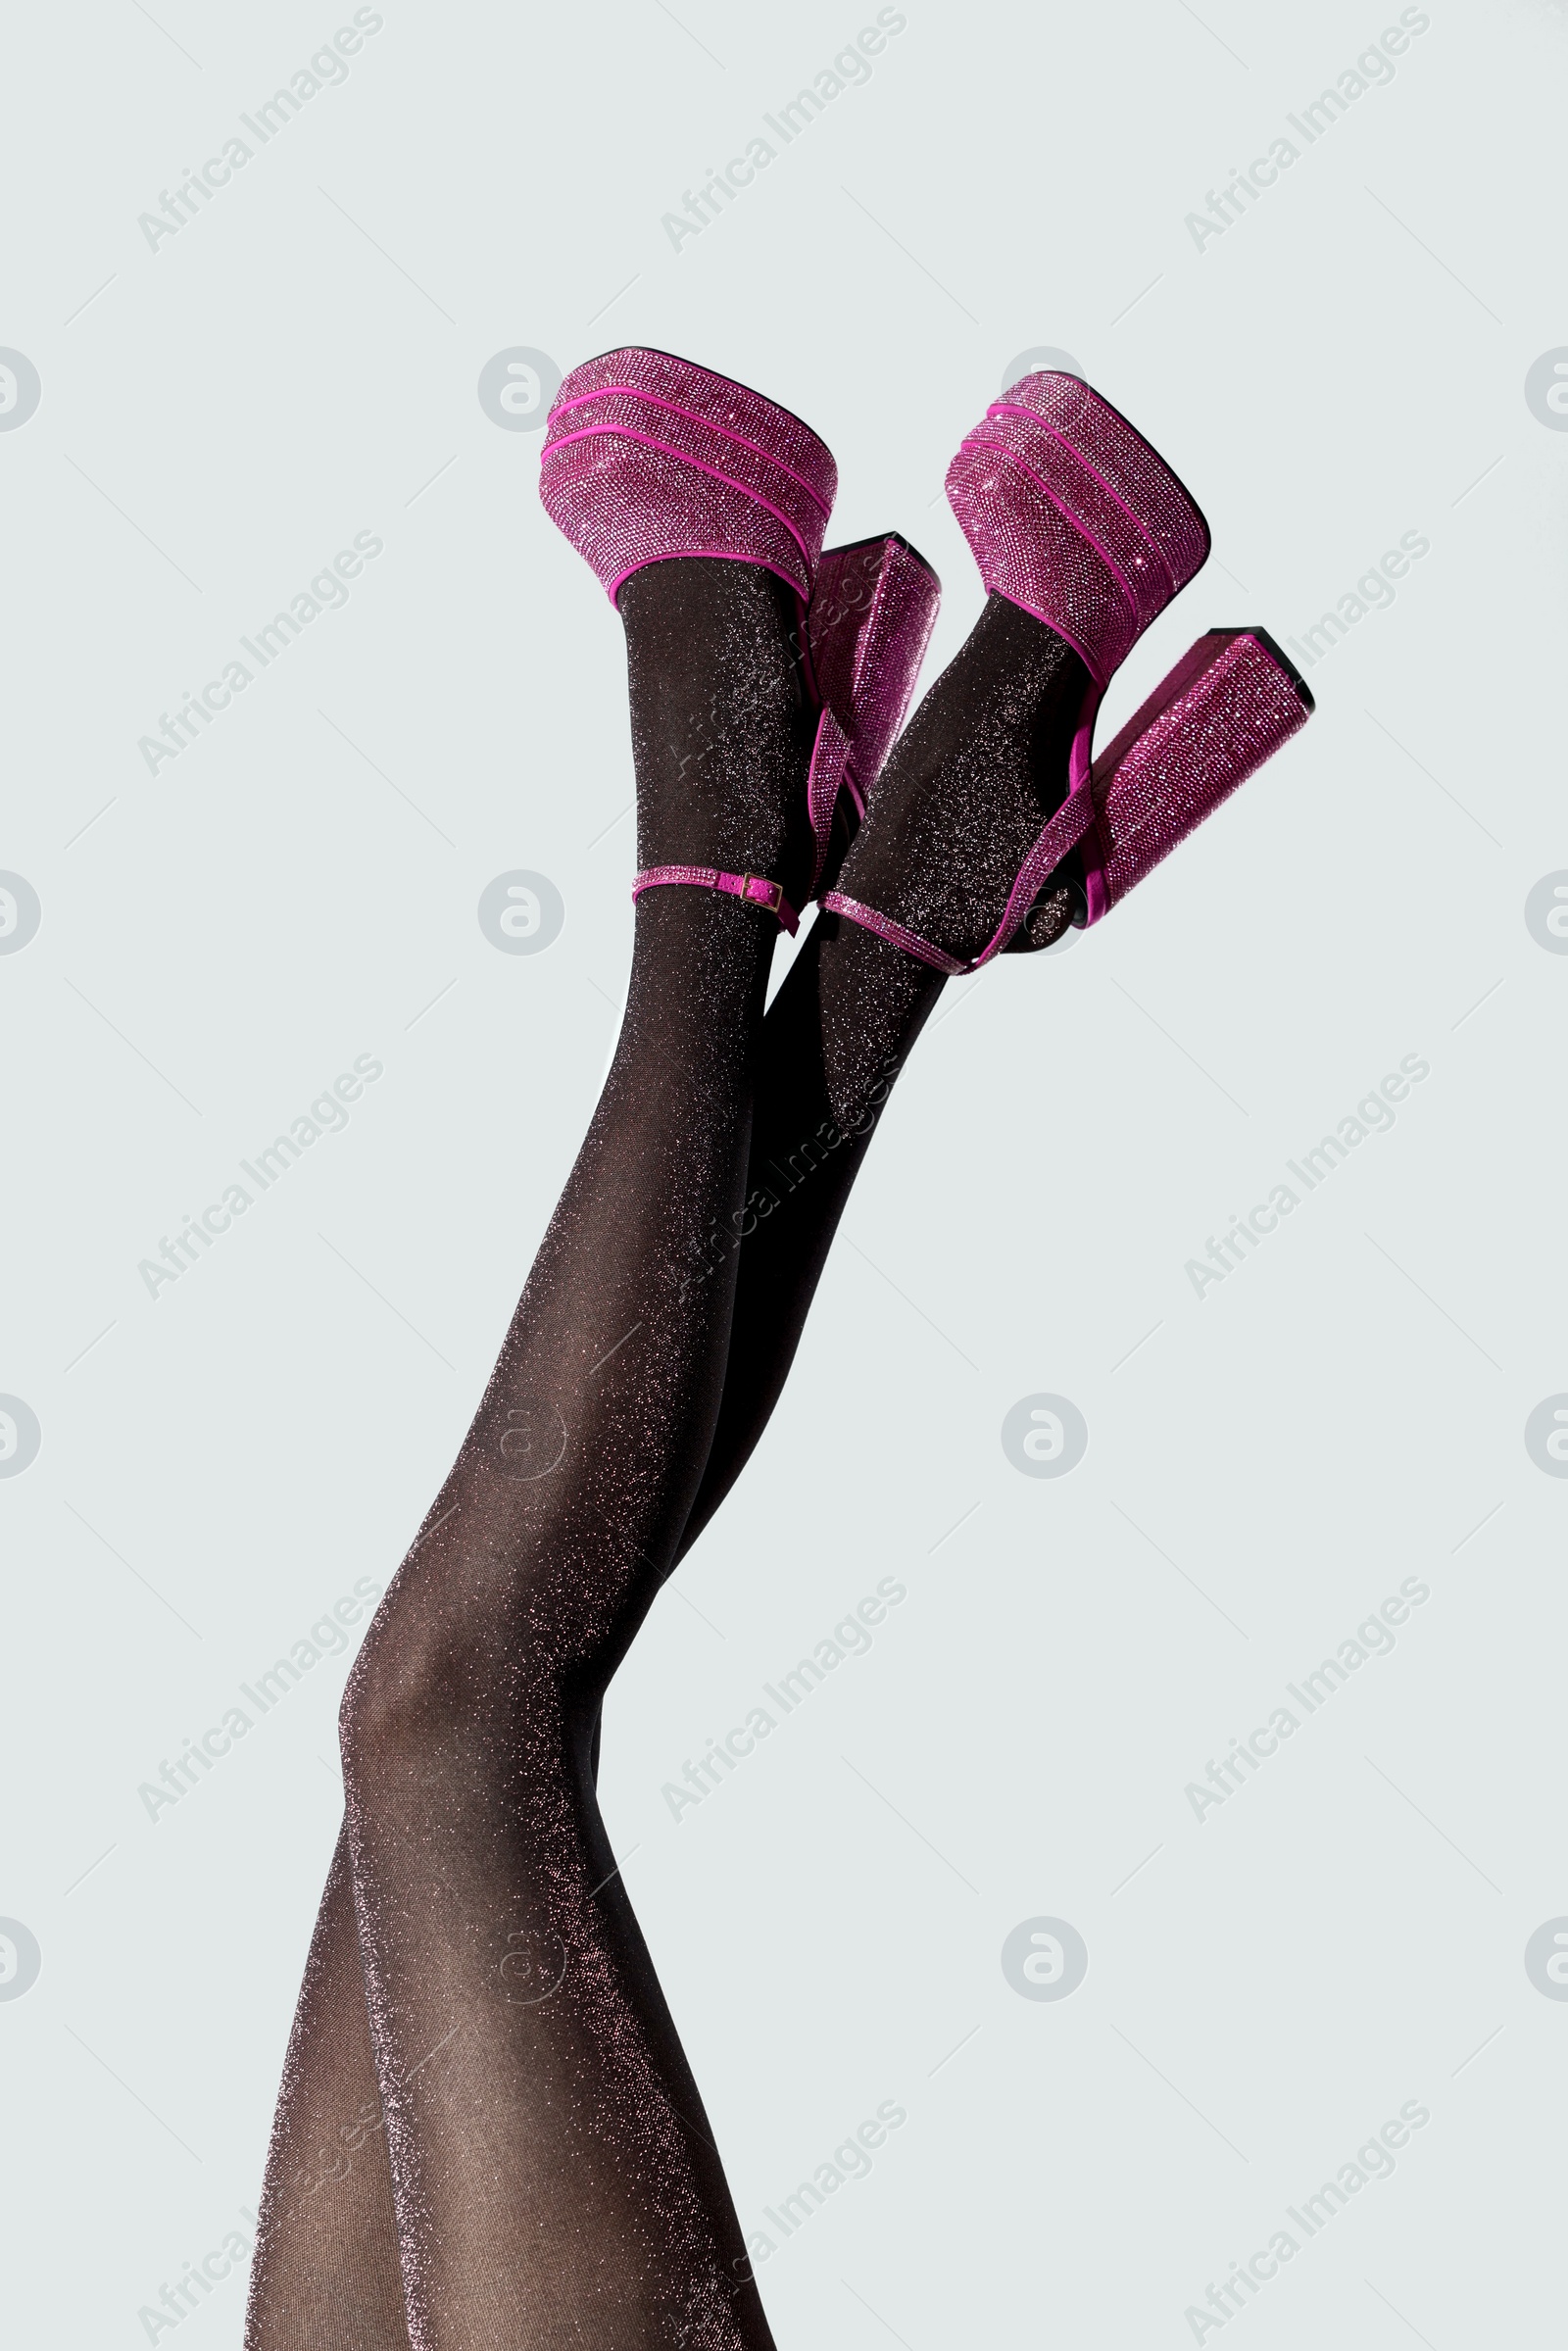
x=554, y=2176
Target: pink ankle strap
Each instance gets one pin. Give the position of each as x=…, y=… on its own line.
x=1230, y=702
x=753, y=888
x=834, y=902
x=1068, y=827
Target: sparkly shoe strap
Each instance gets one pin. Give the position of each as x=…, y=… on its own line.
x=753, y=888
x=834, y=902
x=1068, y=826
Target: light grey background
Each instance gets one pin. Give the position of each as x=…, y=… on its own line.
x=1267, y=1984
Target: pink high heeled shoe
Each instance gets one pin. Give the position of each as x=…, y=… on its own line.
x=647, y=457
x=1073, y=517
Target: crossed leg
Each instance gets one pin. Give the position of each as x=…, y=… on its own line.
x=553, y=2166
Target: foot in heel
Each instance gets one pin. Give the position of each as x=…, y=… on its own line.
x=1078, y=523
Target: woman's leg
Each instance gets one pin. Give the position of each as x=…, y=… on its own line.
x=966, y=790
x=326, y=2275
x=552, y=2168
x=988, y=749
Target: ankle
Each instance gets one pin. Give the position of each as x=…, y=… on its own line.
x=722, y=727
x=971, y=783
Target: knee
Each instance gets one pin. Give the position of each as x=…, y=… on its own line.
x=416, y=1680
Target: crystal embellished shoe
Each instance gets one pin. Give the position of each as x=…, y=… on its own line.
x=1073, y=517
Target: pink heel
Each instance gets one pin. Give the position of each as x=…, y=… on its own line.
x=1075, y=518
x=1229, y=705
x=868, y=626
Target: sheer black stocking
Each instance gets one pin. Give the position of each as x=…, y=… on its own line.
x=326, y=2274
x=966, y=793
x=552, y=2168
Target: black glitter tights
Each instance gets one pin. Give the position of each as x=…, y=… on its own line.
x=555, y=2176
